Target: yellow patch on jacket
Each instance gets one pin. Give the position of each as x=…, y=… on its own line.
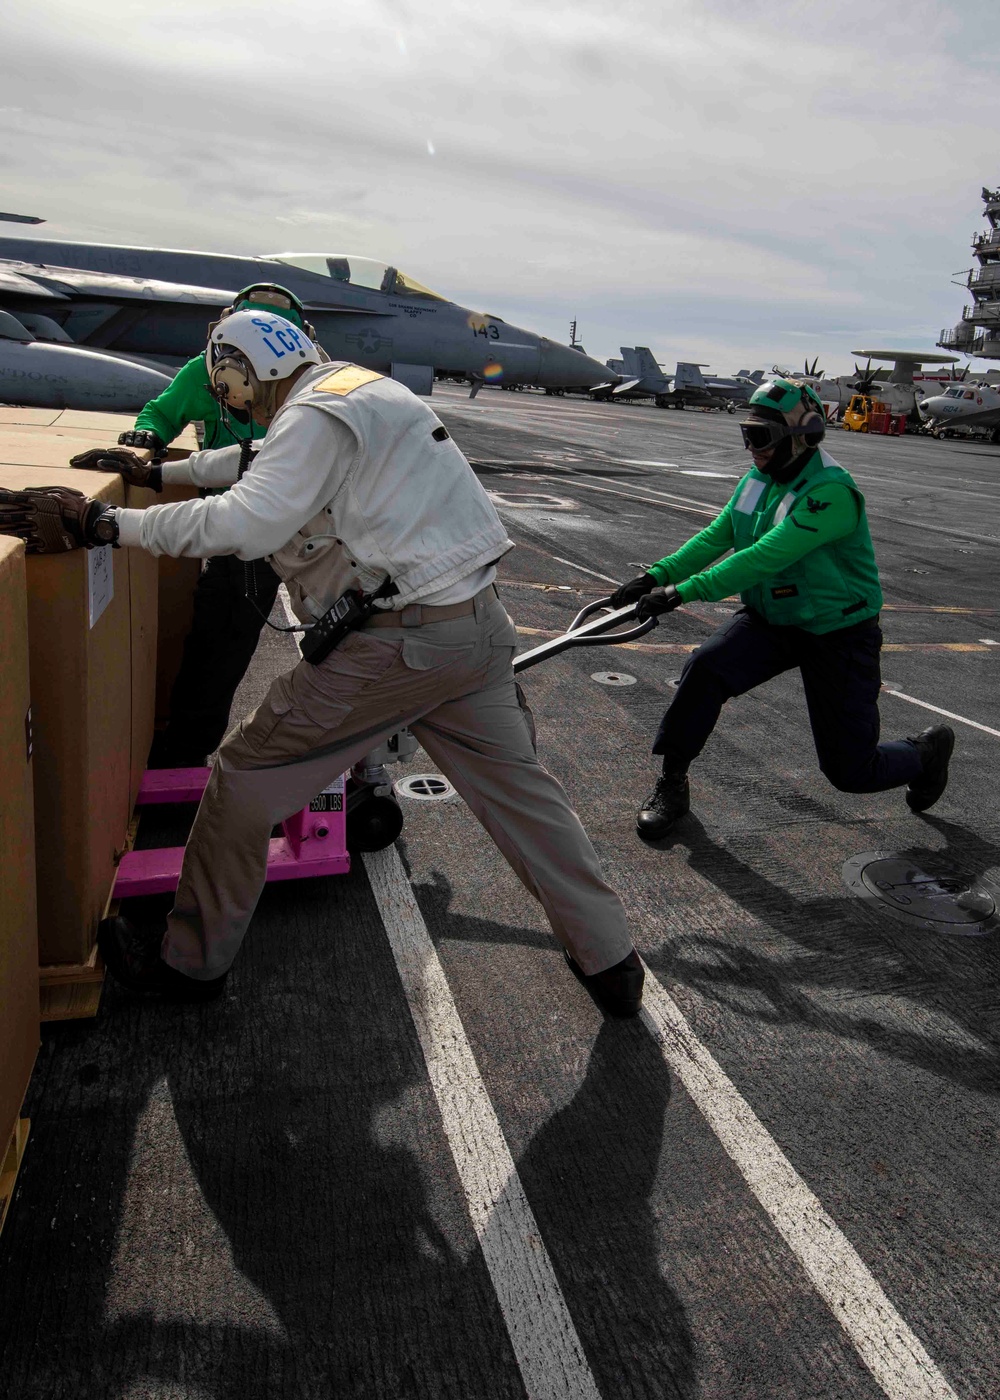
x=346, y=380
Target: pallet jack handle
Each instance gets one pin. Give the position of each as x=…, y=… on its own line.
x=582, y=633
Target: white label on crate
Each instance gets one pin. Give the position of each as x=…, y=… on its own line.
x=100, y=579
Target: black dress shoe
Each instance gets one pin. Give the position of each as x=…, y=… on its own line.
x=132, y=956
x=617, y=990
x=669, y=800
x=935, y=747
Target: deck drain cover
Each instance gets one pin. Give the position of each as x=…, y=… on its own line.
x=612, y=678
x=936, y=903
x=425, y=787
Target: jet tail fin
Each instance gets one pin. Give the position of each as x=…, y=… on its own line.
x=688, y=376
x=645, y=363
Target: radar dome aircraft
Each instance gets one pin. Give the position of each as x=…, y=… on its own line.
x=146, y=310
x=894, y=386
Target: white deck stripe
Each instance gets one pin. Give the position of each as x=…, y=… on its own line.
x=884, y=1342
x=591, y=572
x=548, y=1350
x=948, y=714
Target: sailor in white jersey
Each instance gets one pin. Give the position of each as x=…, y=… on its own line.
x=357, y=486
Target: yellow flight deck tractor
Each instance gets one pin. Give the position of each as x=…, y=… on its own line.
x=865, y=414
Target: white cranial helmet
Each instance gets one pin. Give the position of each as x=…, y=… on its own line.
x=250, y=353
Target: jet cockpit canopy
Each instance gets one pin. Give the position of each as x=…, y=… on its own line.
x=358, y=272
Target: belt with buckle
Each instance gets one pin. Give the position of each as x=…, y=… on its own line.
x=417, y=614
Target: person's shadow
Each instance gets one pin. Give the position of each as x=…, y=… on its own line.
x=590, y=1174
x=841, y=949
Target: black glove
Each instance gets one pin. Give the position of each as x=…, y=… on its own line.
x=142, y=437
x=115, y=459
x=50, y=519
x=632, y=591
x=660, y=600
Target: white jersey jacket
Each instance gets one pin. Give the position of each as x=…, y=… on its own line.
x=356, y=480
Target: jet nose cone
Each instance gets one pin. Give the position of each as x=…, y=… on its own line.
x=564, y=367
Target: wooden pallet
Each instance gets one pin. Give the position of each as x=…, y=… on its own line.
x=10, y=1164
x=71, y=991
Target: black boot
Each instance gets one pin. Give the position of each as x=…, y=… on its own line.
x=132, y=956
x=669, y=800
x=934, y=746
x=617, y=990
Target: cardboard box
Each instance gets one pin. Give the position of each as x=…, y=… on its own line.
x=176, y=580
x=92, y=630
x=18, y=924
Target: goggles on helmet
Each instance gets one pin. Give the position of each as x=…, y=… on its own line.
x=760, y=434
x=266, y=296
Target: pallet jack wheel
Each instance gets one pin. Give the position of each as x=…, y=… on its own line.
x=373, y=824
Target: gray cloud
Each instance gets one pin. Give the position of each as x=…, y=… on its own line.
x=722, y=181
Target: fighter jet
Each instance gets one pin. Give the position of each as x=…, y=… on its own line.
x=151, y=306
x=638, y=376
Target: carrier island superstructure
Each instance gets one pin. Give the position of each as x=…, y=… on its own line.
x=978, y=332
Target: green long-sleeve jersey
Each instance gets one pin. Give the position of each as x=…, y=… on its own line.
x=188, y=399
x=693, y=569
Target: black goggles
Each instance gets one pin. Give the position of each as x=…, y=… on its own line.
x=760, y=434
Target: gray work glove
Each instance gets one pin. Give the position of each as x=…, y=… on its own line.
x=50, y=519
x=656, y=602
x=632, y=591
x=117, y=459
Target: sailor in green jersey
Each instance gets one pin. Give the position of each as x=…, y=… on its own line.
x=232, y=599
x=804, y=567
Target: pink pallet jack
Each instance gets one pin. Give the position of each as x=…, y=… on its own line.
x=314, y=841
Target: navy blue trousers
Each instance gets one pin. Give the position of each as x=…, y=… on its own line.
x=841, y=677
x=217, y=652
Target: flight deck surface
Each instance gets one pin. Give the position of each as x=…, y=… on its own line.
x=405, y=1156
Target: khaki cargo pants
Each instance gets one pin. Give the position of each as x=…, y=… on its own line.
x=452, y=684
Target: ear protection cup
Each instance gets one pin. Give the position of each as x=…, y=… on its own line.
x=234, y=382
x=812, y=429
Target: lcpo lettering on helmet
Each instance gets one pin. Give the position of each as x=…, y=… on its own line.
x=248, y=356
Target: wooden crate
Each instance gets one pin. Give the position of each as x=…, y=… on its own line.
x=10, y=1164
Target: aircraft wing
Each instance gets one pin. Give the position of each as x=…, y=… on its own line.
x=624, y=387
x=19, y=285
x=70, y=283
x=40, y=279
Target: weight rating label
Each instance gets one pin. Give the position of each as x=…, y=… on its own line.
x=331, y=799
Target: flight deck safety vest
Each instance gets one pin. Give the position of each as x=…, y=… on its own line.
x=410, y=507
x=835, y=586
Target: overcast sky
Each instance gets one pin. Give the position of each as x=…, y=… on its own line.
x=736, y=183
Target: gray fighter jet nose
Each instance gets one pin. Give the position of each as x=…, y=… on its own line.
x=561, y=366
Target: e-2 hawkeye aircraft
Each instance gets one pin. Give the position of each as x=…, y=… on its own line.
x=74, y=316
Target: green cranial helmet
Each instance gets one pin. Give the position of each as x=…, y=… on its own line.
x=261, y=295
x=793, y=399
x=786, y=419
